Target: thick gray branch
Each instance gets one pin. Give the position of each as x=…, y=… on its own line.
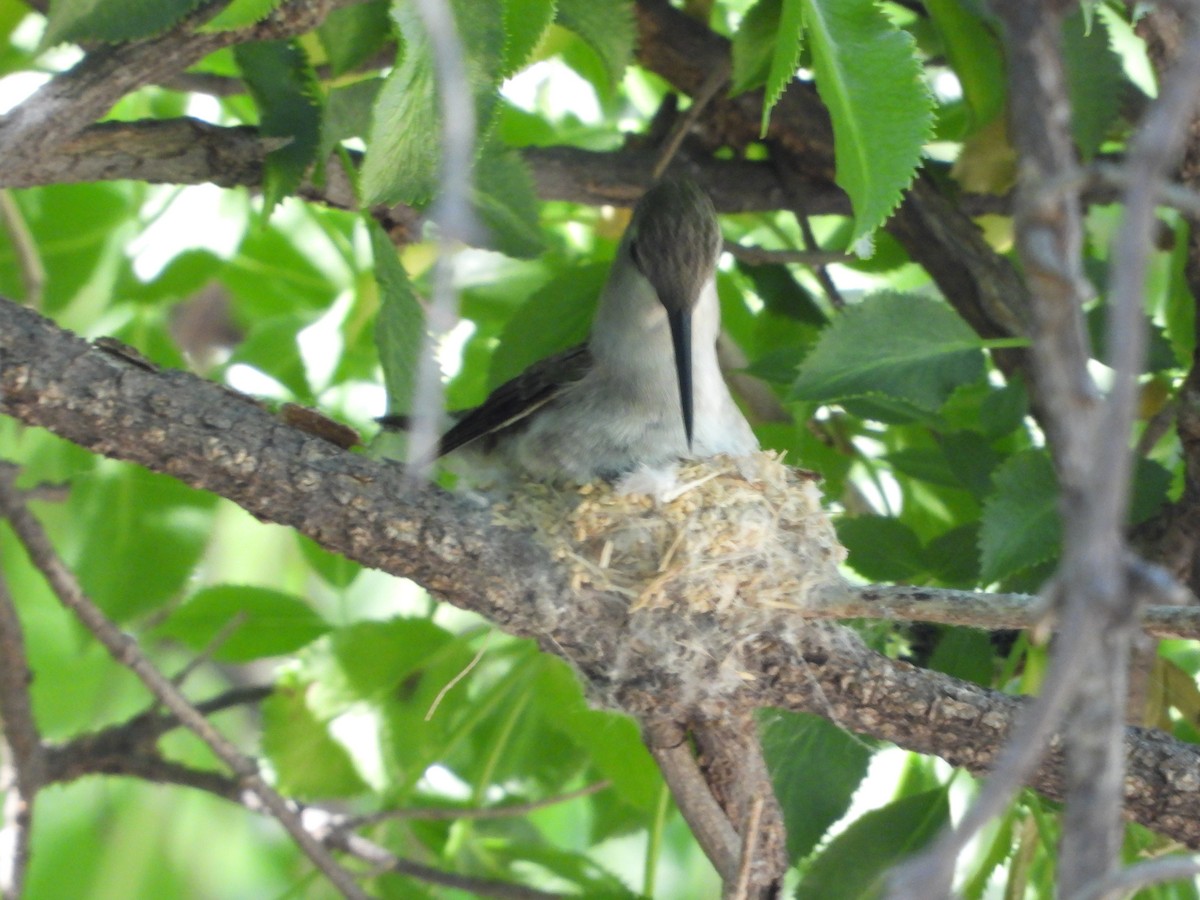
x=213, y=439
x=32, y=132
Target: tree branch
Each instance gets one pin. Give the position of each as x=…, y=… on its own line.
x=22, y=753
x=124, y=650
x=74, y=99
x=216, y=440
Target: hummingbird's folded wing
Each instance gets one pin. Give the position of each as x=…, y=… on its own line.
x=508, y=406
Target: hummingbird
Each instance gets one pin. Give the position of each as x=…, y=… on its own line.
x=646, y=390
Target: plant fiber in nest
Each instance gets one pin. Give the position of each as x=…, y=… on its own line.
x=740, y=534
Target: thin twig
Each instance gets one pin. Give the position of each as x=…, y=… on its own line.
x=450, y=814
x=29, y=259
x=326, y=828
x=449, y=685
x=124, y=649
x=455, y=221
x=683, y=124
x=741, y=889
x=1175, y=617
x=384, y=861
x=1140, y=876
x=1049, y=235
x=215, y=643
x=795, y=196
x=758, y=256
x=700, y=809
x=22, y=754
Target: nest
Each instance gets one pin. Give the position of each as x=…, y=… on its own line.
x=744, y=533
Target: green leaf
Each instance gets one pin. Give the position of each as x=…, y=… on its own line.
x=525, y=24
x=144, y=533
x=881, y=548
x=1004, y=410
x=183, y=276
x=572, y=867
x=795, y=746
x=369, y=660
x=784, y=295
x=975, y=55
x=1180, y=311
x=785, y=56
x=754, y=46
x=953, y=556
x=272, y=346
x=348, y=113
x=1095, y=82
x=270, y=276
x=241, y=14
x=1151, y=481
x=612, y=740
x=899, y=346
x=308, y=763
x=111, y=21
x=852, y=867
x=1021, y=527
x=925, y=464
x=100, y=216
x=506, y=202
x=1159, y=353
x=554, y=318
x=400, y=329
x=607, y=26
x=871, y=81
x=353, y=34
x=972, y=460
x=269, y=623
x=284, y=87
x=404, y=151
x=333, y=567
x=964, y=653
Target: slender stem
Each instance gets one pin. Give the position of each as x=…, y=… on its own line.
x=655, y=843
x=124, y=649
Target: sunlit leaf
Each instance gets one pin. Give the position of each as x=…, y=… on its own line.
x=506, y=202
x=249, y=622
x=796, y=746
x=143, y=534
x=853, y=865
x=353, y=34
x=976, y=56
x=870, y=80
x=898, y=346
x=240, y=14
x=607, y=26
x=112, y=20
x=406, y=143
x=525, y=24
x=785, y=54
x=1095, y=80
x=554, y=318
x=1020, y=520
x=754, y=46
x=401, y=326
x=308, y=763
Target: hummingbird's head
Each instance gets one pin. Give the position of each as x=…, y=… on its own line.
x=675, y=241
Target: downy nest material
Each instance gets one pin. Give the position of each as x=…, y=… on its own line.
x=748, y=534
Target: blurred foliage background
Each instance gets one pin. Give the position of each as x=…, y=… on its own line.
x=385, y=700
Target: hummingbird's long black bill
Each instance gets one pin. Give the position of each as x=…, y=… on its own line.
x=680, y=321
